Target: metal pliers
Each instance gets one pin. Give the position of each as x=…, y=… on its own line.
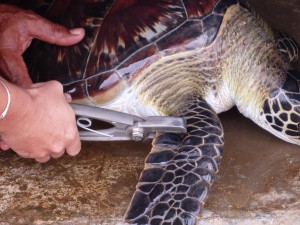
x=123, y=126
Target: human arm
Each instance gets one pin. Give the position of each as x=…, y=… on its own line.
x=40, y=123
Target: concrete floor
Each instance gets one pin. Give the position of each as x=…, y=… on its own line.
x=259, y=181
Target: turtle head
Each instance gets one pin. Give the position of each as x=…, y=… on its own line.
x=282, y=109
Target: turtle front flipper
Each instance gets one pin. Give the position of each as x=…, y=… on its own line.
x=287, y=46
x=179, y=170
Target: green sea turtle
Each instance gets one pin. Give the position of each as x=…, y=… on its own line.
x=187, y=58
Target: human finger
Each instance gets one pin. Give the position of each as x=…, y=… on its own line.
x=57, y=155
x=43, y=159
x=75, y=147
x=68, y=97
x=53, y=33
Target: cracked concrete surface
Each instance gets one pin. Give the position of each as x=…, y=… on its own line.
x=259, y=180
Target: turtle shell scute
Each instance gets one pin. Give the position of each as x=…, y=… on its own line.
x=198, y=8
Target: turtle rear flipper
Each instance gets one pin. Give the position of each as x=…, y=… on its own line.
x=179, y=170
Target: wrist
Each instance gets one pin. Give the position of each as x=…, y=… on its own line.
x=4, y=97
x=19, y=101
x=5, y=110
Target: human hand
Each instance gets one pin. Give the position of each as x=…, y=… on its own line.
x=17, y=29
x=40, y=122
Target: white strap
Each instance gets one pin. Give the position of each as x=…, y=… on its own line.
x=86, y=123
x=8, y=101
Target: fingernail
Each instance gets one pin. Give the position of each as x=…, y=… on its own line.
x=68, y=97
x=76, y=31
x=4, y=147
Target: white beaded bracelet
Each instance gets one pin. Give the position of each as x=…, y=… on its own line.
x=8, y=101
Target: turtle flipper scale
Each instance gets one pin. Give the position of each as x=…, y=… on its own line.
x=281, y=110
x=179, y=170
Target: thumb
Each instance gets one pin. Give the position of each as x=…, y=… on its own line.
x=53, y=33
x=13, y=68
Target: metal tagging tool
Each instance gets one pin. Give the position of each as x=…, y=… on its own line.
x=124, y=126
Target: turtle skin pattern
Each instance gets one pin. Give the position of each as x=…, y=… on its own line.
x=179, y=170
x=282, y=105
